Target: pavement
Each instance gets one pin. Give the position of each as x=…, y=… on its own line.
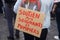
x=4, y=30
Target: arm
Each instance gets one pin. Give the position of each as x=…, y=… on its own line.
x=16, y=6
x=51, y=5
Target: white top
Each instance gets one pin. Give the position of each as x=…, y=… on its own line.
x=46, y=6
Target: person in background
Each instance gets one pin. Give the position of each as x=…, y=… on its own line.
x=10, y=15
x=45, y=7
x=56, y=10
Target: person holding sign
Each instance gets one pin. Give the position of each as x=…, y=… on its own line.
x=42, y=6
x=22, y=5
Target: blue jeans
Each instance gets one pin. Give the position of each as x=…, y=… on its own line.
x=10, y=15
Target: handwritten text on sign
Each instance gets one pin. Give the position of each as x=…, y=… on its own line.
x=29, y=21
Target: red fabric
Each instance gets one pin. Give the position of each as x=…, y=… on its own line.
x=39, y=5
x=35, y=1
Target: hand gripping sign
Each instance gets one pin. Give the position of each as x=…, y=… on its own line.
x=29, y=21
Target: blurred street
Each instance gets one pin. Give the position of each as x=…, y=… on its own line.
x=4, y=30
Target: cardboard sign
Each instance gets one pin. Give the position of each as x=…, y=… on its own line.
x=29, y=21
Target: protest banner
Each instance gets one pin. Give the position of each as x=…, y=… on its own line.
x=29, y=21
